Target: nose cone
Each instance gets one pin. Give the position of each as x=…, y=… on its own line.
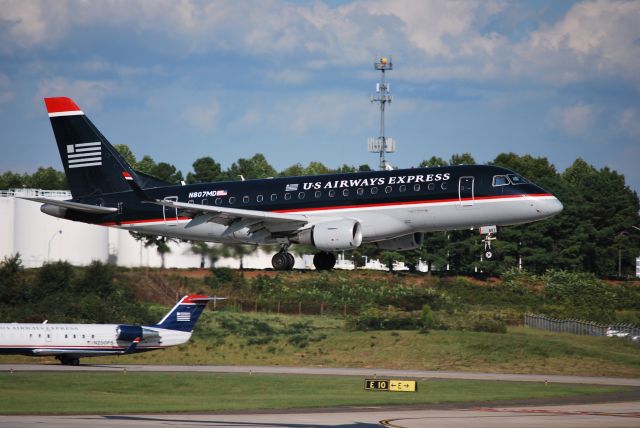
x=549, y=206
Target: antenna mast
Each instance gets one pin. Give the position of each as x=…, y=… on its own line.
x=382, y=144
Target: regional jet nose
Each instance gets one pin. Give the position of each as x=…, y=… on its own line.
x=548, y=206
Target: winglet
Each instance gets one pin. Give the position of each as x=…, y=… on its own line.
x=133, y=346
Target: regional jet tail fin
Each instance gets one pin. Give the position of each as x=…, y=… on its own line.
x=92, y=165
x=185, y=313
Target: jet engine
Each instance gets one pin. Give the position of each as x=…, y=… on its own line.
x=402, y=243
x=332, y=235
x=131, y=332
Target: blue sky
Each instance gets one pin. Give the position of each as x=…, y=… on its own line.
x=178, y=80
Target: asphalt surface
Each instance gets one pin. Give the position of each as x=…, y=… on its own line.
x=419, y=374
x=498, y=415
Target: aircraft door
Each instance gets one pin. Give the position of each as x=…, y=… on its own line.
x=170, y=214
x=466, y=191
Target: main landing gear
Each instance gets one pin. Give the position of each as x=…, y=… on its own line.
x=283, y=260
x=324, y=260
x=69, y=361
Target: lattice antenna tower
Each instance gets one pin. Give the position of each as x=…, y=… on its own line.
x=382, y=144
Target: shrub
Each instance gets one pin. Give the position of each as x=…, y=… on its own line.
x=489, y=325
x=390, y=319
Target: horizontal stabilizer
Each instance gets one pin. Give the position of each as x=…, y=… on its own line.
x=76, y=206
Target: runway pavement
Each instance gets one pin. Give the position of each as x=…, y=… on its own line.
x=592, y=415
x=611, y=414
x=328, y=371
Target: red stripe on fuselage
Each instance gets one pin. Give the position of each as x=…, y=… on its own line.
x=346, y=207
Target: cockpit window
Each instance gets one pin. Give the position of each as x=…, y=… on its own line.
x=516, y=179
x=500, y=180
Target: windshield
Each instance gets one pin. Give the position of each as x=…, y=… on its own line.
x=516, y=179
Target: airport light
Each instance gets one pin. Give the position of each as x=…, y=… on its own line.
x=382, y=144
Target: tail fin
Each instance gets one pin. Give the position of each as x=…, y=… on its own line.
x=92, y=165
x=185, y=313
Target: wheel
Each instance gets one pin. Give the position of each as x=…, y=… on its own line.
x=280, y=261
x=291, y=261
x=488, y=255
x=324, y=261
x=75, y=361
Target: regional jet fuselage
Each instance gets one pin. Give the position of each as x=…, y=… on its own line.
x=69, y=342
x=330, y=212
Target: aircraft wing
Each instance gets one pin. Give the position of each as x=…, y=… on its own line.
x=77, y=206
x=237, y=218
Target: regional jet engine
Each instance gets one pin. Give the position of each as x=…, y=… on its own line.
x=332, y=235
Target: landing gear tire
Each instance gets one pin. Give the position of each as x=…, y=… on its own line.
x=69, y=361
x=283, y=261
x=291, y=261
x=488, y=255
x=324, y=261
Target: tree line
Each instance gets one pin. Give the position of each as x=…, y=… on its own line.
x=594, y=233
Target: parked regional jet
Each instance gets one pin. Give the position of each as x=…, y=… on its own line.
x=69, y=342
x=331, y=212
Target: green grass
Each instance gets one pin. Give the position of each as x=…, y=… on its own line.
x=74, y=393
x=286, y=340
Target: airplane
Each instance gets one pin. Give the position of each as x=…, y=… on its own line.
x=69, y=342
x=333, y=212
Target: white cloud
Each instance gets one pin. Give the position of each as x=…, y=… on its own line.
x=629, y=123
x=574, y=120
x=594, y=39
x=88, y=94
x=203, y=117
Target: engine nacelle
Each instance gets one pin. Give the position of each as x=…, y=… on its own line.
x=402, y=243
x=332, y=235
x=131, y=332
x=53, y=210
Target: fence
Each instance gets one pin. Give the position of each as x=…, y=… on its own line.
x=585, y=328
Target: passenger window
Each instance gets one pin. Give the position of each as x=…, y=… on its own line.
x=48, y=336
x=274, y=197
x=204, y=202
x=387, y=189
x=190, y=201
x=345, y=192
x=374, y=190
x=402, y=188
x=92, y=336
x=218, y=201
x=232, y=200
x=416, y=187
x=500, y=180
x=66, y=336
x=332, y=193
x=259, y=198
x=431, y=186
x=83, y=336
x=74, y=336
x=287, y=196
x=245, y=199
x=301, y=195
x=318, y=194
x=444, y=185
x=360, y=191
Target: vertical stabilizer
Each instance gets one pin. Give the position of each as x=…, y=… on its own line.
x=92, y=165
x=185, y=313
